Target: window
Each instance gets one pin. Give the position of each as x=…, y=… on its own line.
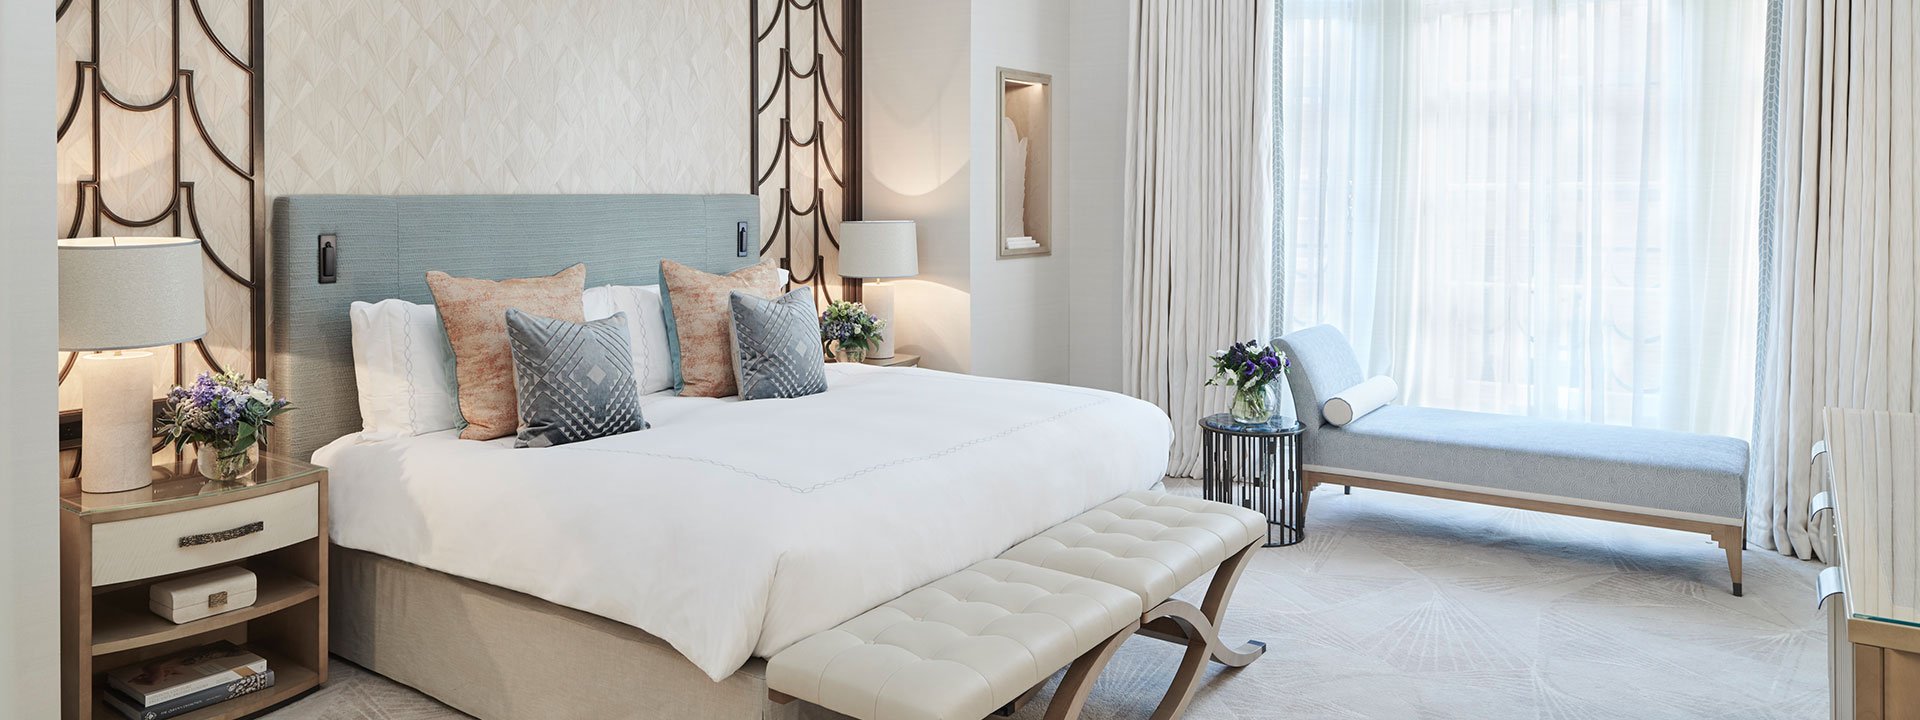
x=1541, y=207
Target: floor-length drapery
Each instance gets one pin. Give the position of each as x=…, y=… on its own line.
x=1198, y=201
x=1843, y=307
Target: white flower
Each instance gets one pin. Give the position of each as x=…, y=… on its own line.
x=1217, y=354
x=259, y=393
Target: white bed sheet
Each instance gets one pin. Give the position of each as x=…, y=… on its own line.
x=733, y=529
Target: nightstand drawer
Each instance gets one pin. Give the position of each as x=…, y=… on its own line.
x=161, y=544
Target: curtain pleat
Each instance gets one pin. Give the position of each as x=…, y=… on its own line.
x=1198, y=201
x=1843, y=308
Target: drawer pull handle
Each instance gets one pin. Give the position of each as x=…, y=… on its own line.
x=1821, y=503
x=223, y=535
x=1830, y=582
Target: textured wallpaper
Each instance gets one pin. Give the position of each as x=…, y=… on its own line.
x=506, y=96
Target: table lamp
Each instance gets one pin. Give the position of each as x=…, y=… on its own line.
x=875, y=249
x=119, y=296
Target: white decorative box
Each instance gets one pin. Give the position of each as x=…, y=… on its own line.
x=193, y=597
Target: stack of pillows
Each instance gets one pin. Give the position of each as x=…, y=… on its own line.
x=549, y=361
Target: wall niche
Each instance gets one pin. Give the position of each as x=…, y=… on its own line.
x=1026, y=159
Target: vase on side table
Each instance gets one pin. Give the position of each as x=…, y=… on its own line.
x=226, y=464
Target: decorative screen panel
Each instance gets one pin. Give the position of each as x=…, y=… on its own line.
x=160, y=134
x=806, y=162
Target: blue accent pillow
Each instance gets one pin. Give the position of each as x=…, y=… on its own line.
x=572, y=381
x=776, y=346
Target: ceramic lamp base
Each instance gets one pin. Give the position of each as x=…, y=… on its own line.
x=878, y=297
x=116, y=396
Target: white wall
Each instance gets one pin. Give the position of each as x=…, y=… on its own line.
x=1096, y=152
x=931, y=97
x=915, y=130
x=1020, y=309
x=29, y=544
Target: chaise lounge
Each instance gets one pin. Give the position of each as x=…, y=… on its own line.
x=1680, y=481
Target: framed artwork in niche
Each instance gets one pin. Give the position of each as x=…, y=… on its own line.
x=1025, y=160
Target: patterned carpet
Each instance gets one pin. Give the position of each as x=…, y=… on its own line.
x=1406, y=607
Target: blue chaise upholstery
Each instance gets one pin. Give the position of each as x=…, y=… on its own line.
x=1695, y=479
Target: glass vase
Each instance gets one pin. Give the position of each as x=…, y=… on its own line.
x=1254, y=405
x=850, y=353
x=225, y=464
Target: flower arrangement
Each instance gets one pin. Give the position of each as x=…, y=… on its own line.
x=225, y=417
x=1250, y=369
x=848, y=328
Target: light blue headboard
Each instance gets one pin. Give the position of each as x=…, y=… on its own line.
x=386, y=244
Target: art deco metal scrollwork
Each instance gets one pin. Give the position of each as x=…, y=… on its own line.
x=822, y=99
x=145, y=84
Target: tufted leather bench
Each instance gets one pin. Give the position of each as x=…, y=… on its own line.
x=1154, y=544
x=961, y=647
x=1150, y=543
x=986, y=637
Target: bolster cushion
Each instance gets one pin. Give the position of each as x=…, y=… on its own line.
x=1355, y=402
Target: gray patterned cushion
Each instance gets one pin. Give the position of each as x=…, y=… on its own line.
x=573, y=381
x=776, y=346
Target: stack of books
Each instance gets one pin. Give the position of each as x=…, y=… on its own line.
x=186, y=681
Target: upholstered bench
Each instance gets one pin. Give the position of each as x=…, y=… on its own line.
x=1681, y=481
x=958, y=648
x=985, y=638
x=1154, y=544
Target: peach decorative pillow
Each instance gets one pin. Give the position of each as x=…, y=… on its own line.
x=475, y=314
x=699, y=322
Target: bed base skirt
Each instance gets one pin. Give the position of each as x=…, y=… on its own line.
x=497, y=654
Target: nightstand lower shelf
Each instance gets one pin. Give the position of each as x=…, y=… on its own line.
x=289, y=680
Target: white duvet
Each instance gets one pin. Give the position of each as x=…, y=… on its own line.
x=733, y=529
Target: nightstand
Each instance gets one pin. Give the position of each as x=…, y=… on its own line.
x=113, y=546
x=898, y=360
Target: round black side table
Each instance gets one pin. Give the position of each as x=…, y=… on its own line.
x=1257, y=467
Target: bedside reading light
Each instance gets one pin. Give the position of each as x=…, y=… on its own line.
x=119, y=296
x=879, y=249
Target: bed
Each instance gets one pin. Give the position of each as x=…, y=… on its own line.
x=644, y=575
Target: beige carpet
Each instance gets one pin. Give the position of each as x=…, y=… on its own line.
x=1405, y=607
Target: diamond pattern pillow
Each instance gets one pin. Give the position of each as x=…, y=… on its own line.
x=574, y=381
x=776, y=346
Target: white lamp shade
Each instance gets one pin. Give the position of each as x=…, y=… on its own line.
x=122, y=293
x=878, y=249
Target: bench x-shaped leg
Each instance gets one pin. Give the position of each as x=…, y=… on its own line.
x=1179, y=622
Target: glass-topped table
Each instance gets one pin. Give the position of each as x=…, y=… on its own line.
x=1873, y=511
x=1257, y=466
x=179, y=482
x=1876, y=506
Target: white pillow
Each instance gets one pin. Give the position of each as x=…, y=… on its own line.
x=1355, y=402
x=403, y=366
x=646, y=330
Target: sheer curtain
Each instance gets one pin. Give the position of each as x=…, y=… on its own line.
x=1539, y=207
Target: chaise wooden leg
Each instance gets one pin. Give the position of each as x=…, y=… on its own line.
x=1733, y=540
x=1071, y=697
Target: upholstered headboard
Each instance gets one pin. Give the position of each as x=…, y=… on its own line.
x=384, y=245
